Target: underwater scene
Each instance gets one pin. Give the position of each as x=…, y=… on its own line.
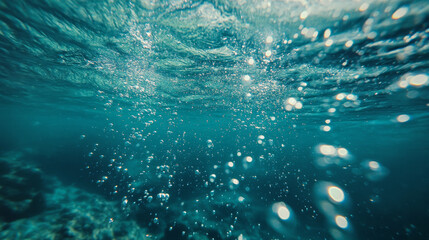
x=214, y=120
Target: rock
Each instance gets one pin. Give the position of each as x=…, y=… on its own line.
x=21, y=189
x=36, y=206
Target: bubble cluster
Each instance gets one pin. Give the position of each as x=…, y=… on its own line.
x=327, y=155
x=163, y=197
x=348, y=99
x=210, y=143
x=261, y=140
x=311, y=33
x=291, y=103
x=335, y=205
x=413, y=80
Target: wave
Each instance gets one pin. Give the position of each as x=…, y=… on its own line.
x=239, y=55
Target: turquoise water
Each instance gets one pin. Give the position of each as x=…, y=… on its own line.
x=214, y=119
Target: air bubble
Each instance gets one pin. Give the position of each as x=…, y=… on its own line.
x=210, y=144
x=233, y=184
x=212, y=178
x=282, y=219
x=373, y=170
x=399, y=13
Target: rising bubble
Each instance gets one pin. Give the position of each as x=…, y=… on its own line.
x=399, y=13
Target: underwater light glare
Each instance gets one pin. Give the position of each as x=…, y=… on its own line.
x=336, y=194
x=341, y=221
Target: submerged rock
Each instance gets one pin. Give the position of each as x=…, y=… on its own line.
x=21, y=187
x=36, y=206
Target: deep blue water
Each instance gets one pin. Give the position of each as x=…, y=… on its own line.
x=214, y=119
